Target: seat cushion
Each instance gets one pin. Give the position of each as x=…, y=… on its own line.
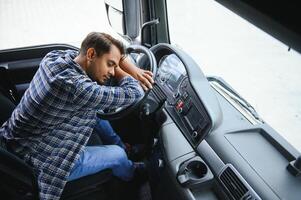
x=87, y=184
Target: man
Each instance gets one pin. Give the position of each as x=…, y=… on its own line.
x=52, y=123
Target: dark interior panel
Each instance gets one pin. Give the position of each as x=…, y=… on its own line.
x=19, y=65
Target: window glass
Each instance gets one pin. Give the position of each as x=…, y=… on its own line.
x=260, y=68
x=36, y=22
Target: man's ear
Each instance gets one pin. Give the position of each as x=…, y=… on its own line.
x=91, y=54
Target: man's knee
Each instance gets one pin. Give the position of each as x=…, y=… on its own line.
x=119, y=155
x=122, y=166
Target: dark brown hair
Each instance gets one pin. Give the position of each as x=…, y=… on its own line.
x=101, y=42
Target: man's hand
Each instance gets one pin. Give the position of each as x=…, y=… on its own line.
x=145, y=78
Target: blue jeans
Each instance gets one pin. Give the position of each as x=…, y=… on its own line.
x=109, y=156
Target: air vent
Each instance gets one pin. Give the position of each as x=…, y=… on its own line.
x=159, y=94
x=232, y=183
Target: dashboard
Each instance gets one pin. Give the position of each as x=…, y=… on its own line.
x=210, y=149
x=182, y=103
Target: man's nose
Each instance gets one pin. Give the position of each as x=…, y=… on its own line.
x=112, y=72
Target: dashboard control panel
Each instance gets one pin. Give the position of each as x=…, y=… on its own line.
x=183, y=104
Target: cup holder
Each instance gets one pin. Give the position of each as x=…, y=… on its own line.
x=196, y=169
x=194, y=172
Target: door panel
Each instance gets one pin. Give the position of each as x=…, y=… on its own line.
x=18, y=66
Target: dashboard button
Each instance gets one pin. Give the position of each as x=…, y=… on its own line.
x=185, y=95
x=162, y=79
x=184, y=84
x=194, y=134
x=176, y=95
x=179, y=105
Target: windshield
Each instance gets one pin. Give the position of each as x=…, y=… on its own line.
x=260, y=68
x=35, y=22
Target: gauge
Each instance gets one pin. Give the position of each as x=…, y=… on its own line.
x=171, y=71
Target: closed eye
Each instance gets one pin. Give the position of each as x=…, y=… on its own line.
x=112, y=63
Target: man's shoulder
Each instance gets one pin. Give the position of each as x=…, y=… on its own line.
x=60, y=57
x=62, y=53
x=60, y=62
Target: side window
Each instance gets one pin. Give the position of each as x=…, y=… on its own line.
x=28, y=23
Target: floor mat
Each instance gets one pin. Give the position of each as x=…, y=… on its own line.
x=145, y=192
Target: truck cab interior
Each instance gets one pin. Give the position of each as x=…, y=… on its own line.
x=204, y=140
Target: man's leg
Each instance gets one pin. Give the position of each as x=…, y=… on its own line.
x=97, y=158
x=108, y=136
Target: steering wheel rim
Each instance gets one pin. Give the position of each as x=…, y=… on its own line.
x=152, y=66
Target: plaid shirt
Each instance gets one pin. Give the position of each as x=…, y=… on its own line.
x=55, y=118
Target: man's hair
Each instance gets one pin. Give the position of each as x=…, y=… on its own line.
x=101, y=42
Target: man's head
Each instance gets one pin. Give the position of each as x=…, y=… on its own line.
x=99, y=55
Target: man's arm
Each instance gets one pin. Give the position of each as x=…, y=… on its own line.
x=143, y=76
x=89, y=94
x=120, y=74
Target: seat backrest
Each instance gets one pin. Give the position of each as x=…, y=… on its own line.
x=17, y=178
x=6, y=108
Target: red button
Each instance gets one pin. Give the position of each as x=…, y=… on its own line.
x=179, y=105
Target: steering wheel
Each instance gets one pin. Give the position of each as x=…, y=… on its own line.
x=151, y=66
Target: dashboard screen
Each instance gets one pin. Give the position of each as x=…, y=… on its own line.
x=171, y=71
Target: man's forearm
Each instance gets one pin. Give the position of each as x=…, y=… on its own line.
x=129, y=67
x=120, y=74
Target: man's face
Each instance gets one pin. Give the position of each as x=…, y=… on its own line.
x=101, y=68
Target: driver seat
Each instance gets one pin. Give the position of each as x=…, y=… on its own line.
x=18, y=181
